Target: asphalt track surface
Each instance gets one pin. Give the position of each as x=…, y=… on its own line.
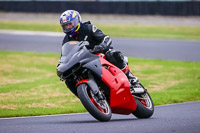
x=182, y=50
x=175, y=118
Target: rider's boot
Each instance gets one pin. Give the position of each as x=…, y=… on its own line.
x=131, y=77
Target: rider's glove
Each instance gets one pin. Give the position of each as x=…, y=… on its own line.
x=99, y=48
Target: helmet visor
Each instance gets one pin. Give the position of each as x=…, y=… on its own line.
x=70, y=25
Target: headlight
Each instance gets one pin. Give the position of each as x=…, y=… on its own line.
x=59, y=73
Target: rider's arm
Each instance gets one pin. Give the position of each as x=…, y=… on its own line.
x=103, y=39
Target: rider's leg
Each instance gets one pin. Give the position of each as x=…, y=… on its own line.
x=118, y=59
x=132, y=78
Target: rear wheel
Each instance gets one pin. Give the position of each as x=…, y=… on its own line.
x=99, y=109
x=145, y=106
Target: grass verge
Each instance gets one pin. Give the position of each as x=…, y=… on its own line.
x=29, y=84
x=118, y=30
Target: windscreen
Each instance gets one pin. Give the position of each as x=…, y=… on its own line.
x=70, y=47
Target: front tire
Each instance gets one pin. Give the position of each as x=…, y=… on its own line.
x=98, y=109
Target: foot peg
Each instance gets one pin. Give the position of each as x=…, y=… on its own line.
x=134, y=80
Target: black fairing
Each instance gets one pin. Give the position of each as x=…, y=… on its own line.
x=75, y=54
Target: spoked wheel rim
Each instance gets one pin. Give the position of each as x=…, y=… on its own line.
x=101, y=105
x=101, y=112
x=145, y=100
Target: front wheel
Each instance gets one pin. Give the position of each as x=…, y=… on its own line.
x=99, y=109
x=145, y=106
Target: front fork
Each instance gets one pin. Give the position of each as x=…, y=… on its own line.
x=93, y=86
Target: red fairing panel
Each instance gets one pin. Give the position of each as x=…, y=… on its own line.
x=121, y=100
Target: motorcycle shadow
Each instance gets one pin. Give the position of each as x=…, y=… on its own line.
x=93, y=121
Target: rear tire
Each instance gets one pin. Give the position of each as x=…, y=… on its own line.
x=145, y=106
x=100, y=111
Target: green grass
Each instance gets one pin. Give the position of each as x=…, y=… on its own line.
x=118, y=30
x=29, y=84
x=152, y=31
x=169, y=81
x=30, y=26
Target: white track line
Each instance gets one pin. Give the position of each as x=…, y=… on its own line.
x=44, y=116
x=174, y=104
x=30, y=33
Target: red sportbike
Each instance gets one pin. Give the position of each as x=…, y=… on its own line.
x=102, y=87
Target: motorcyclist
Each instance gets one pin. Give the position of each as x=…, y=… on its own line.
x=72, y=25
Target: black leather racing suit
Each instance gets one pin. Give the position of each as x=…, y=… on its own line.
x=95, y=36
x=92, y=34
